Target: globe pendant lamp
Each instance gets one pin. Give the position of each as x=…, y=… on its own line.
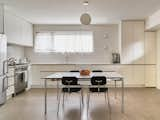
x=85, y=18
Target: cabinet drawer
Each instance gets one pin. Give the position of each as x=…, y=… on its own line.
x=10, y=71
x=10, y=81
x=10, y=91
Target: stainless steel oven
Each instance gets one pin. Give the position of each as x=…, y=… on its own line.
x=21, y=79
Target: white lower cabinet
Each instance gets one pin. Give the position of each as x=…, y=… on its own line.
x=134, y=75
x=11, y=82
x=150, y=76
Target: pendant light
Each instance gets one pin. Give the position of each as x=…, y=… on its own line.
x=85, y=18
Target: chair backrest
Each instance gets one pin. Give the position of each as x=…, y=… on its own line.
x=97, y=70
x=74, y=71
x=98, y=80
x=69, y=81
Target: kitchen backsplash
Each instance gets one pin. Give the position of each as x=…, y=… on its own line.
x=15, y=51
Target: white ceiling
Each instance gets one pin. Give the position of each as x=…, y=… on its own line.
x=69, y=11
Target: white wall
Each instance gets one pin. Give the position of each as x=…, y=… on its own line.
x=153, y=21
x=106, y=41
x=15, y=51
x=136, y=75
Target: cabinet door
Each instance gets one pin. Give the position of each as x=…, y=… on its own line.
x=132, y=42
x=13, y=29
x=1, y=18
x=150, y=48
x=150, y=76
x=18, y=31
x=27, y=35
x=138, y=74
x=127, y=41
x=138, y=42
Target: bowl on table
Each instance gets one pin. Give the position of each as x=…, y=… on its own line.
x=85, y=72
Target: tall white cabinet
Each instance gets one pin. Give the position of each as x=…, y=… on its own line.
x=132, y=44
x=18, y=31
x=138, y=48
x=150, y=48
x=150, y=59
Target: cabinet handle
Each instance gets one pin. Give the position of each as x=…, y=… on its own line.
x=3, y=87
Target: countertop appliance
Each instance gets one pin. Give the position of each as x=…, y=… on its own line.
x=3, y=65
x=115, y=57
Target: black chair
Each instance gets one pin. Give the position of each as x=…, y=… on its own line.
x=74, y=71
x=99, y=82
x=68, y=87
x=67, y=81
x=97, y=70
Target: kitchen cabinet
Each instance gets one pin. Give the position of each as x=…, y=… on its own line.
x=150, y=48
x=132, y=42
x=150, y=76
x=11, y=86
x=138, y=73
x=18, y=30
x=1, y=18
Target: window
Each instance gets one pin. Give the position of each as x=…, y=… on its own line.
x=64, y=42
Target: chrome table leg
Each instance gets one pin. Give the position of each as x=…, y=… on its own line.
x=115, y=86
x=122, y=107
x=109, y=106
x=45, y=84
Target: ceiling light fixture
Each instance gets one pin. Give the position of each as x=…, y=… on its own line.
x=85, y=18
x=85, y=3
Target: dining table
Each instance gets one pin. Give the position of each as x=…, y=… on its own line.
x=57, y=76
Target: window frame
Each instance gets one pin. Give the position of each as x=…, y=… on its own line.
x=52, y=35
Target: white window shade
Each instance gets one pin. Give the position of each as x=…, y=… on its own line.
x=43, y=42
x=65, y=42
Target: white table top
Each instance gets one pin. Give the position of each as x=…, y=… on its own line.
x=108, y=75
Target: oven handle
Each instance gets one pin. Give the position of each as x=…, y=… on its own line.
x=21, y=72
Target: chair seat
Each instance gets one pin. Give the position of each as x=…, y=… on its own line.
x=77, y=89
x=99, y=90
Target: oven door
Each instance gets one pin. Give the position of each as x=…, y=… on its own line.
x=20, y=82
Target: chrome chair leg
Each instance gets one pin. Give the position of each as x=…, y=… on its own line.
x=109, y=106
x=82, y=99
x=59, y=99
x=63, y=100
x=105, y=96
x=80, y=105
x=57, y=89
x=88, y=102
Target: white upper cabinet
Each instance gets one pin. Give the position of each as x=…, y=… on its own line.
x=1, y=18
x=132, y=46
x=18, y=31
x=27, y=33
x=150, y=48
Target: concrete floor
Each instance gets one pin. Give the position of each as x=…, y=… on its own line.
x=140, y=104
